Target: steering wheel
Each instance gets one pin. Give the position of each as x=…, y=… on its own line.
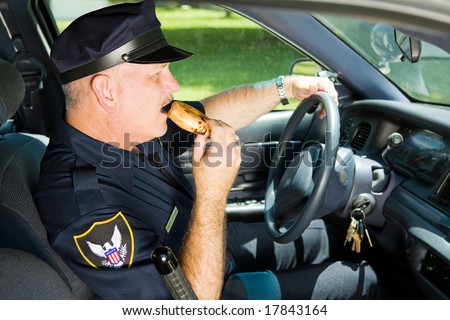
x=295, y=193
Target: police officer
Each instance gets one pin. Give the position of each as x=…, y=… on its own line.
x=110, y=193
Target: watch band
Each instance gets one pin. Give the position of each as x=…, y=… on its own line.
x=281, y=91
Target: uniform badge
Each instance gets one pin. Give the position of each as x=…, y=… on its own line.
x=107, y=243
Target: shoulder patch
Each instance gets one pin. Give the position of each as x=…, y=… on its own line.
x=107, y=243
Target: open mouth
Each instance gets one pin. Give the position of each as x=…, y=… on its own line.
x=166, y=108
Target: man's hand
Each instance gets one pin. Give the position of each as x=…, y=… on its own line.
x=215, y=167
x=301, y=87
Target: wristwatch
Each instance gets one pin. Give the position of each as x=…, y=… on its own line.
x=281, y=91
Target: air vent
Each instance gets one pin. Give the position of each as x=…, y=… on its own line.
x=361, y=136
x=443, y=193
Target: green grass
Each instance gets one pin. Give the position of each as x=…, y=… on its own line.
x=228, y=51
x=240, y=57
x=200, y=18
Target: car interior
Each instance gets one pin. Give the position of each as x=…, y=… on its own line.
x=390, y=150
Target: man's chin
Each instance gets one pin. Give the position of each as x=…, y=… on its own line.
x=161, y=132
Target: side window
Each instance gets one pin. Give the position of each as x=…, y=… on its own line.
x=65, y=11
x=229, y=50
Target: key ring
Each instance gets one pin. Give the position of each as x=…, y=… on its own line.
x=363, y=214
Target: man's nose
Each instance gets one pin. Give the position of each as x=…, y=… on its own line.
x=172, y=83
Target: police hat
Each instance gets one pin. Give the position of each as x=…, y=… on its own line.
x=101, y=39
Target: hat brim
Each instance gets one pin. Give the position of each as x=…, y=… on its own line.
x=163, y=55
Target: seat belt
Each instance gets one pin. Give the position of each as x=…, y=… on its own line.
x=31, y=115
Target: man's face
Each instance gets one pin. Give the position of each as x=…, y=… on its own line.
x=143, y=90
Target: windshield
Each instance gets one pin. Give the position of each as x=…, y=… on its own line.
x=426, y=80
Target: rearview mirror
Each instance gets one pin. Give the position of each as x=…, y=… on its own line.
x=409, y=46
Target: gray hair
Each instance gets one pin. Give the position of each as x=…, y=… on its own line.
x=77, y=90
x=73, y=91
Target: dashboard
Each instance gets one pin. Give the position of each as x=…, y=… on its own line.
x=417, y=208
x=423, y=154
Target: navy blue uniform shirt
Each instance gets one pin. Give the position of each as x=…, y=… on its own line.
x=106, y=209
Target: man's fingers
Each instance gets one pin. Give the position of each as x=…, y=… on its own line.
x=223, y=139
x=313, y=88
x=199, y=148
x=327, y=85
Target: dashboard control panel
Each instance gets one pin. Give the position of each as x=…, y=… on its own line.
x=437, y=272
x=423, y=154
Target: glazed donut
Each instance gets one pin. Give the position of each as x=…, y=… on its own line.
x=188, y=118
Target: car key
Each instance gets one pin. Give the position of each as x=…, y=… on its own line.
x=356, y=246
x=353, y=235
x=359, y=215
x=352, y=229
x=367, y=233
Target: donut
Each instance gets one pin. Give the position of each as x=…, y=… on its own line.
x=188, y=118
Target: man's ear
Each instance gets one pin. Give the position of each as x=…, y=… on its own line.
x=103, y=87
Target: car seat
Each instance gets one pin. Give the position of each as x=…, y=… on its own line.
x=29, y=267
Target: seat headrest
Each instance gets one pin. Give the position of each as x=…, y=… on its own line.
x=12, y=90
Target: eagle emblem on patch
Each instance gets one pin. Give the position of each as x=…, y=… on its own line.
x=107, y=243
